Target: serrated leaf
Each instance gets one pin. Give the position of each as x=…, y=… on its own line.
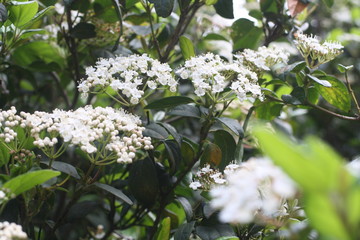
x=337, y=95
x=116, y=192
x=225, y=8
x=164, y=8
x=29, y=180
x=187, y=47
x=169, y=102
x=21, y=13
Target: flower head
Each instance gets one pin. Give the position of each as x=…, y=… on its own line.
x=11, y=231
x=129, y=76
x=314, y=52
x=210, y=74
x=256, y=187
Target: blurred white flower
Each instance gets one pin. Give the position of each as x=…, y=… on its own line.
x=257, y=187
x=11, y=231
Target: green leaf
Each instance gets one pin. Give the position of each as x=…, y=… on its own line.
x=143, y=181
x=174, y=154
x=225, y=8
x=41, y=52
x=3, y=13
x=64, y=168
x=155, y=130
x=21, y=13
x=296, y=67
x=185, y=111
x=323, y=216
x=83, y=31
x=4, y=155
x=337, y=95
x=172, y=131
x=214, y=231
x=344, y=69
x=30, y=32
x=169, y=102
x=164, y=8
x=212, y=155
x=312, y=95
x=329, y=3
x=256, y=14
x=164, y=229
x=187, y=47
x=269, y=110
x=228, y=238
x=227, y=145
x=186, y=206
x=309, y=165
x=184, y=231
x=215, y=37
x=29, y=180
x=37, y=17
x=210, y=2
x=245, y=34
x=116, y=192
x=319, y=81
x=233, y=125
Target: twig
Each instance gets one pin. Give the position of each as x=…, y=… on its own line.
x=62, y=92
x=352, y=92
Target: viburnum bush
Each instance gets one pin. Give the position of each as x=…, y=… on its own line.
x=142, y=119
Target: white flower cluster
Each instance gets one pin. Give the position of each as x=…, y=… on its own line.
x=257, y=188
x=11, y=231
x=210, y=74
x=206, y=177
x=314, y=52
x=8, y=120
x=85, y=127
x=262, y=59
x=128, y=76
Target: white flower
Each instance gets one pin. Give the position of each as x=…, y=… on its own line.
x=314, y=52
x=11, y=231
x=256, y=187
x=262, y=59
x=119, y=132
x=210, y=74
x=129, y=76
x=354, y=167
x=195, y=185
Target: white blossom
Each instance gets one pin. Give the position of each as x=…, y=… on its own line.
x=262, y=59
x=314, y=52
x=87, y=127
x=11, y=231
x=256, y=187
x=210, y=74
x=129, y=76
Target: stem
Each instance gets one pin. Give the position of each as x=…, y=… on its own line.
x=62, y=92
x=70, y=41
x=186, y=16
x=157, y=46
x=352, y=92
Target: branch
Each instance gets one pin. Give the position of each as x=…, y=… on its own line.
x=62, y=92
